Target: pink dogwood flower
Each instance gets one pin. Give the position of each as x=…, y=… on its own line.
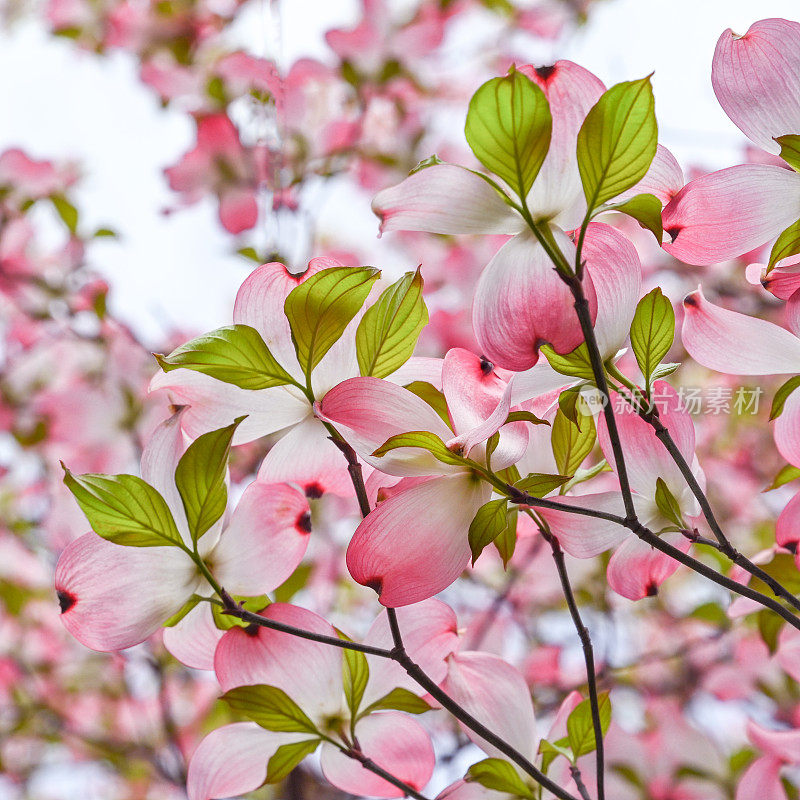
x=414, y=544
x=520, y=302
x=724, y=214
x=115, y=596
x=762, y=778
x=233, y=759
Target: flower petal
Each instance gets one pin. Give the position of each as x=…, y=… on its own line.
x=787, y=430
x=521, y=304
x=637, y=569
x=255, y=655
x=232, y=760
x=264, y=541
x=761, y=779
x=734, y=343
x=727, y=213
x=414, y=544
x=113, y=597
x=756, y=78
x=194, y=639
x=494, y=692
x=782, y=744
x=392, y=740
x=664, y=178
x=445, y=199
x=368, y=411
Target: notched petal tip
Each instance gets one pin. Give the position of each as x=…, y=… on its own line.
x=303, y=523
x=66, y=600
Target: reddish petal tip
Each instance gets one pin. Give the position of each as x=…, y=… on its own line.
x=66, y=600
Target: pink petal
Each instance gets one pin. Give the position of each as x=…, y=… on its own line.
x=788, y=655
x=646, y=458
x=583, y=536
x=238, y=209
x=787, y=528
x=414, y=544
x=194, y=639
x=636, y=569
x=264, y=541
x=113, y=597
x=616, y=274
x=727, y=213
x=521, y=304
x=784, y=280
x=307, y=457
x=418, y=368
x=793, y=313
x=734, y=343
x=256, y=655
x=664, y=179
x=571, y=91
x=466, y=790
x=495, y=693
x=445, y=199
x=214, y=404
x=781, y=744
x=761, y=780
x=368, y=411
x=430, y=634
x=756, y=78
x=787, y=430
x=394, y=741
x=232, y=760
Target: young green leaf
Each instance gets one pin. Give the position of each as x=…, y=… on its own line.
x=551, y=751
x=200, y=478
x=487, y=525
x=652, y=331
x=269, y=707
x=234, y=354
x=782, y=395
x=508, y=128
x=580, y=730
x=287, y=757
x=188, y=606
x=433, y=397
x=398, y=700
x=430, y=161
x=575, y=364
x=538, y=484
x=667, y=504
x=422, y=439
x=787, y=473
x=617, y=141
x=646, y=210
x=124, y=509
x=67, y=211
x=786, y=245
x=388, y=332
x=769, y=627
x=506, y=542
x=225, y=622
x=355, y=674
x=571, y=443
x=500, y=776
x=790, y=150
x=525, y=416
x=321, y=307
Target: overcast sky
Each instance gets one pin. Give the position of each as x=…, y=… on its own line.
x=178, y=269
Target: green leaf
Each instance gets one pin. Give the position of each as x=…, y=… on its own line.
x=398, y=700
x=525, y=416
x=787, y=473
x=551, y=751
x=422, y=439
x=355, y=675
x=662, y=370
x=234, y=354
x=200, y=478
x=225, y=622
x=668, y=505
x=506, y=542
x=571, y=404
x=293, y=584
x=500, y=776
x=487, y=525
x=784, y=570
x=187, y=607
x=786, y=245
x=508, y=128
x=539, y=484
x=646, y=210
x=652, y=331
x=790, y=150
x=124, y=509
x=769, y=626
x=269, y=707
x=67, y=211
x=250, y=254
x=287, y=757
x=580, y=730
x=433, y=397
x=321, y=307
x=575, y=364
x=430, y=161
x=571, y=443
x=388, y=332
x=617, y=141
x=782, y=395
x=105, y=233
